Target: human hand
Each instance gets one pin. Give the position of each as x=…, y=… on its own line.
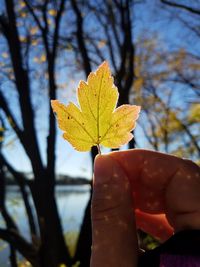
x=163, y=190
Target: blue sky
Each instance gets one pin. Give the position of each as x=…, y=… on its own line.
x=148, y=19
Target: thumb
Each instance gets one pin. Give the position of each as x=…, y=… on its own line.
x=113, y=223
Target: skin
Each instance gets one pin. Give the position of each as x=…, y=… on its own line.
x=156, y=192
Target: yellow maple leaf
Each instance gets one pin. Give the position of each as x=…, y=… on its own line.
x=96, y=121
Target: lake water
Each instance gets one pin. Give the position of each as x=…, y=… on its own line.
x=71, y=201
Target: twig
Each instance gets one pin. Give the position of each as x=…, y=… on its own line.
x=99, y=149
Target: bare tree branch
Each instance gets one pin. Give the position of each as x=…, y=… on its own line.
x=25, y=248
x=80, y=38
x=52, y=92
x=107, y=34
x=10, y=118
x=8, y=219
x=22, y=182
x=31, y=10
x=23, y=88
x=184, y=126
x=184, y=7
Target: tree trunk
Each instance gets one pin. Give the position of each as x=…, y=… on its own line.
x=53, y=248
x=83, y=250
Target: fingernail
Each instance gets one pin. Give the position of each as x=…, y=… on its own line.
x=103, y=169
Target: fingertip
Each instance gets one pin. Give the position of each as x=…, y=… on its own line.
x=103, y=167
x=107, y=169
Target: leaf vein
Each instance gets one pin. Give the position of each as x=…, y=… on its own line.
x=111, y=125
x=98, y=105
x=79, y=124
x=80, y=139
x=88, y=102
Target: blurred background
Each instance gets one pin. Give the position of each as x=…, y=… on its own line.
x=46, y=48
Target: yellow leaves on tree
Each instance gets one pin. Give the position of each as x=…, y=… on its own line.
x=33, y=30
x=194, y=113
x=96, y=121
x=40, y=59
x=5, y=55
x=52, y=12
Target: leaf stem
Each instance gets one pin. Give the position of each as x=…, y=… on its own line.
x=99, y=149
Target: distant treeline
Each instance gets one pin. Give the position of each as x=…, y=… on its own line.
x=61, y=180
